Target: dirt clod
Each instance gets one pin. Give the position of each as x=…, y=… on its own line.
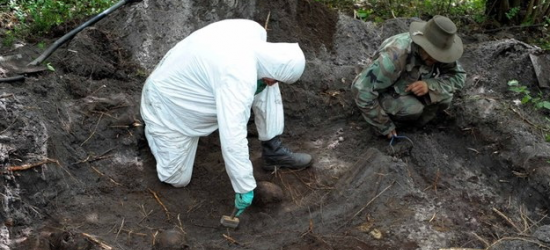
x=69, y=241
x=267, y=193
x=171, y=239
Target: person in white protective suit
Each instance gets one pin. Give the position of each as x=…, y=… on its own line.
x=211, y=80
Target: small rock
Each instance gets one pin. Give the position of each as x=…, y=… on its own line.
x=266, y=193
x=8, y=222
x=543, y=233
x=171, y=239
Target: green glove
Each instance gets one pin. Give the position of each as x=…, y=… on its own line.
x=242, y=201
x=260, y=86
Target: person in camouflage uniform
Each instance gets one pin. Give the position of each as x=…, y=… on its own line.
x=413, y=75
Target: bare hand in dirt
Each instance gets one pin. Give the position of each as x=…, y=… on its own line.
x=419, y=88
x=392, y=133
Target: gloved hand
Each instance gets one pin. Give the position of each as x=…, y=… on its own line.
x=242, y=201
x=260, y=86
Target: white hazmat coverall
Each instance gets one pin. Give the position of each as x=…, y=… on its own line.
x=207, y=82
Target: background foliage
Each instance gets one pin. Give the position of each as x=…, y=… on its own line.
x=474, y=15
x=35, y=18
x=28, y=19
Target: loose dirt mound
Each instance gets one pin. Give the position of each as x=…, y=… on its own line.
x=478, y=177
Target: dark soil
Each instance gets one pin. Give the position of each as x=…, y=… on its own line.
x=477, y=177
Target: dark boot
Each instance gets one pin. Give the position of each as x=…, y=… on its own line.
x=430, y=112
x=277, y=155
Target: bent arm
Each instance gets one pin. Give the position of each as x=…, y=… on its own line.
x=233, y=102
x=452, y=77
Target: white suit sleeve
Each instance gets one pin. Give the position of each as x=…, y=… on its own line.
x=234, y=96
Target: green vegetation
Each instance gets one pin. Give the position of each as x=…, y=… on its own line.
x=50, y=67
x=8, y=39
x=35, y=18
x=493, y=15
x=28, y=18
x=544, y=41
x=512, y=12
x=538, y=101
x=509, y=12
x=379, y=10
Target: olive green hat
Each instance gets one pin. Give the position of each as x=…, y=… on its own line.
x=438, y=38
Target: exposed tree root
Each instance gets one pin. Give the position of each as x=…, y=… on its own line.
x=230, y=239
x=98, y=242
x=32, y=165
x=161, y=204
x=103, y=175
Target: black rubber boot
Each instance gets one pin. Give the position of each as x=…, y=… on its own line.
x=277, y=155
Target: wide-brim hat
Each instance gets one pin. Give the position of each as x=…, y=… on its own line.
x=438, y=38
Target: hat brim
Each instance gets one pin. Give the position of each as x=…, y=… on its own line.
x=416, y=30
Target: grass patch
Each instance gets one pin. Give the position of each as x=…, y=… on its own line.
x=36, y=18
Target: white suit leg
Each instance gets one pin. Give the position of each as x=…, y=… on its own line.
x=174, y=153
x=268, y=113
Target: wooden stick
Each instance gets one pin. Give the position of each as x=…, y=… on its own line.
x=144, y=212
x=368, y=203
x=103, y=175
x=120, y=229
x=98, y=89
x=95, y=158
x=231, y=240
x=195, y=206
x=155, y=237
x=519, y=238
x=529, y=122
x=507, y=219
x=433, y=217
x=101, y=244
x=180, y=226
x=537, y=222
x=309, y=229
x=130, y=232
x=93, y=132
x=525, y=219
x=32, y=165
x=485, y=242
x=161, y=204
x=267, y=20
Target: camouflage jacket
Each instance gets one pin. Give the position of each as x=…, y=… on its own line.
x=395, y=65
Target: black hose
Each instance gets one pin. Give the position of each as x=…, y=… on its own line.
x=12, y=78
x=71, y=34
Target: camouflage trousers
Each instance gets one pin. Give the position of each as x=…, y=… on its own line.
x=410, y=108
